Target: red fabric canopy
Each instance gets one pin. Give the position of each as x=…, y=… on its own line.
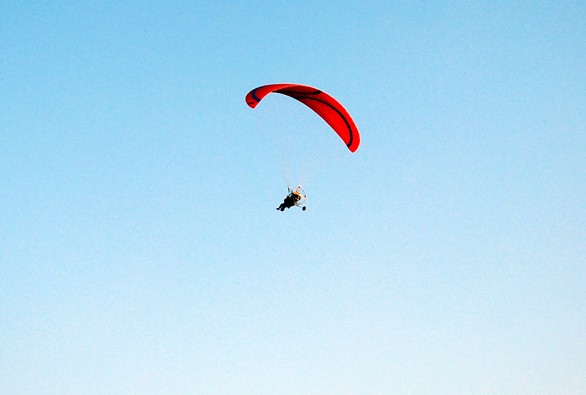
x=323, y=104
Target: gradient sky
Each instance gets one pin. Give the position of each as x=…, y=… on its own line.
x=140, y=248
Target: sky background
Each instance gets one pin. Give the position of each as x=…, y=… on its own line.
x=140, y=248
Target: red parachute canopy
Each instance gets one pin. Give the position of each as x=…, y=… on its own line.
x=323, y=104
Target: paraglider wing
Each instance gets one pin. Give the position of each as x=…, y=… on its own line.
x=323, y=104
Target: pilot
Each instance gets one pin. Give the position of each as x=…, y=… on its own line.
x=291, y=200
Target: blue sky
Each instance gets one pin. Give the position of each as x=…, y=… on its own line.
x=140, y=251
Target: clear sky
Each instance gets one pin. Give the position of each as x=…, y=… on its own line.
x=140, y=248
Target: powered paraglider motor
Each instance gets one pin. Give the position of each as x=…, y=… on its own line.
x=296, y=197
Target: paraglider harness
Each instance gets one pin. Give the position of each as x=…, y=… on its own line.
x=296, y=197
